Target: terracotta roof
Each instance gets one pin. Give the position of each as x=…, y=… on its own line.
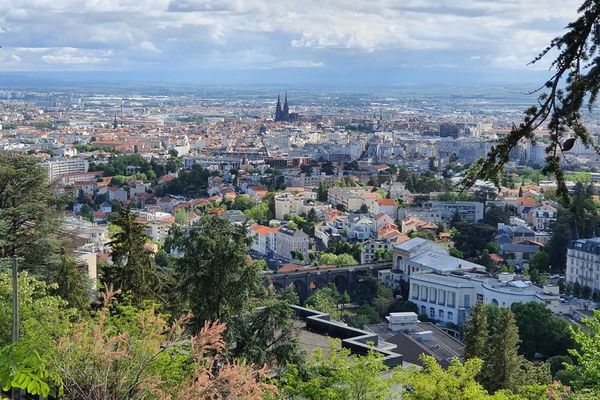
x=386, y=202
x=290, y=267
x=261, y=229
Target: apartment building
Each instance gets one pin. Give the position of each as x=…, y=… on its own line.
x=583, y=263
x=470, y=211
x=60, y=167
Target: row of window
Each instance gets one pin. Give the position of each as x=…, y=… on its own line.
x=439, y=315
x=433, y=295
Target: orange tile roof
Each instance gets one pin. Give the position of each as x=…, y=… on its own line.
x=386, y=202
x=261, y=229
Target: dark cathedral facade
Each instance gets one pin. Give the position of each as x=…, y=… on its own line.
x=283, y=113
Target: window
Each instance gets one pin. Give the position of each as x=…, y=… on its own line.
x=441, y=296
x=423, y=310
x=450, y=315
x=451, y=299
x=432, y=295
x=415, y=291
x=424, y=293
x=441, y=314
x=432, y=312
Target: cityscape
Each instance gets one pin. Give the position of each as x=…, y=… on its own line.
x=272, y=233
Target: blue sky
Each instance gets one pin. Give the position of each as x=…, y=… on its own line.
x=262, y=40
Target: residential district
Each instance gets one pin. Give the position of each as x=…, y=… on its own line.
x=331, y=192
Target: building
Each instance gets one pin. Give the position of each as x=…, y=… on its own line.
x=449, y=297
x=470, y=211
x=61, y=167
x=282, y=114
x=351, y=198
x=263, y=239
x=583, y=263
x=288, y=240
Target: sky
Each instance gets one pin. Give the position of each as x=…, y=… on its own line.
x=254, y=41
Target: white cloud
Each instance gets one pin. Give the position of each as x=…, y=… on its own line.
x=279, y=34
x=148, y=46
x=72, y=56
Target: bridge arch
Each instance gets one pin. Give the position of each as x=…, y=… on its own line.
x=341, y=283
x=301, y=289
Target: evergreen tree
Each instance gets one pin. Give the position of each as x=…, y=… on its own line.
x=501, y=359
x=475, y=333
x=132, y=269
x=215, y=276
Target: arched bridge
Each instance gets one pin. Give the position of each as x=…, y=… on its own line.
x=306, y=281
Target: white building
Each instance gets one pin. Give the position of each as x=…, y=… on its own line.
x=583, y=263
x=58, y=168
x=470, y=211
x=449, y=297
x=288, y=240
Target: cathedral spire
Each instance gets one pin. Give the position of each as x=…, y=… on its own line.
x=278, y=112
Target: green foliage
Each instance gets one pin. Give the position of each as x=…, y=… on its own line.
x=43, y=319
x=495, y=215
x=457, y=382
x=586, y=355
x=343, y=247
x=132, y=270
x=191, y=183
x=259, y=213
x=333, y=259
x=470, y=239
x=475, y=333
x=215, y=278
x=29, y=212
x=326, y=299
x=263, y=332
x=364, y=315
x=540, y=331
x=337, y=376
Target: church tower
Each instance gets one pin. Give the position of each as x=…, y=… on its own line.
x=286, y=109
x=278, y=111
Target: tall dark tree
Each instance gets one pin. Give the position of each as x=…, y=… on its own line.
x=501, y=360
x=215, y=277
x=132, y=269
x=475, y=333
x=29, y=212
x=72, y=285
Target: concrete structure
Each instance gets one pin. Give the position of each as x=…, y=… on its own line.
x=402, y=321
x=288, y=240
x=583, y=263
x=305, y=282
x=470, y=211
x=449, y=297
x=61, y=167
x=351, y=199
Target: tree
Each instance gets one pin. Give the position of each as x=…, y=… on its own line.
x=470, y=239
x=495, y=215
x=365, y=287
x=72, y=284
x=29, y=212
x=125, y=352
x=540, y=331
x=457, y=382
x=264, y=333
x=364, y=315
x=215, y=278
x=322, y=191
x=339, y=375
x=181, y=217
x=501, y=359
x=132, y=270
x=43, y=319
x=557, y=105
x=475, y=333
x=540, y=261
x=586, y=361
x=326, y=299
x=327, y=167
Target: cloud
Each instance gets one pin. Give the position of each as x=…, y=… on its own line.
x=266, y=34
x=148, y=46
x=70, y=55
